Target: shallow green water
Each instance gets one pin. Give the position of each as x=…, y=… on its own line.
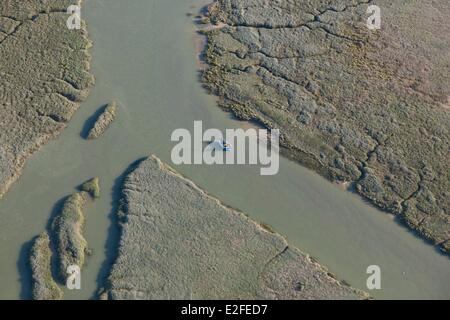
x=143, y=56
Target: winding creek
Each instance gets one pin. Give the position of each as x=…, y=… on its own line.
x=143, y=56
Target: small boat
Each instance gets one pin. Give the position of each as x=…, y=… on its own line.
x=221, y=145
x=226, y=146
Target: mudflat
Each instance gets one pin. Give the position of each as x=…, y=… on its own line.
x=178, y=242
x=362, y=107
x=44, y=75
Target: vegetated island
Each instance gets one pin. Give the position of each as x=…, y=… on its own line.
x=191, y=246
x=103, y=122
x=44, y=75
x=44, y=286
x=67, y=230
x=66, y=239
x=370, y=109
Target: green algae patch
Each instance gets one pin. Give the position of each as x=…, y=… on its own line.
x=43, y=285
x=92, y=187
